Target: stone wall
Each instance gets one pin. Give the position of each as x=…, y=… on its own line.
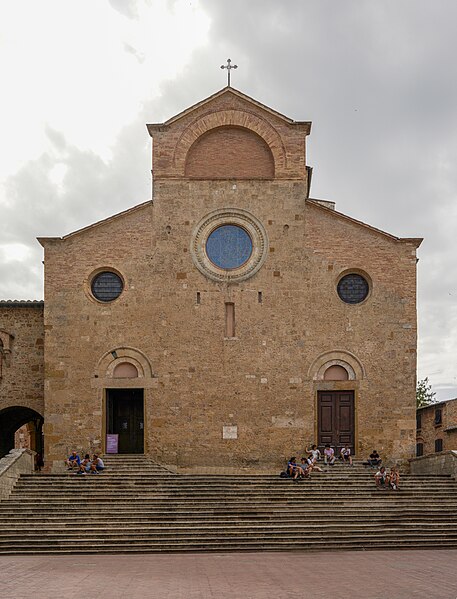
x=17, y=462
x=442, y=463
x=21, y=381
x=22, y=367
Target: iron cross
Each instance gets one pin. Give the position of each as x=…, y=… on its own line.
x=229, y=67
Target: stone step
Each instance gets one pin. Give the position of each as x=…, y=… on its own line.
x=163, y=495
x=309, y=485
x=241, y=542
x=260, y=513
x=136, y=506
x=224, y=527
x=248, y=480
x=388, y=499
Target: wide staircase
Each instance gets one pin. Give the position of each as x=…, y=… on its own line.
x=138, y=506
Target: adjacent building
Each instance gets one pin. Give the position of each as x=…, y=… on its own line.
x=436, y=427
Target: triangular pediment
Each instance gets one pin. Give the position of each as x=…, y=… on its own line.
x=227, y=91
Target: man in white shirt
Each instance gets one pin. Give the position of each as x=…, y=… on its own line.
x=329, y=455
x=346, y=455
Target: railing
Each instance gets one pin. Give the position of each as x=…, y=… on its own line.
x=444, y=462
x=17, y=462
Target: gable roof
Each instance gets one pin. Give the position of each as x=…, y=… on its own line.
x=416, y=241
x=43, y=240
x=221, y=92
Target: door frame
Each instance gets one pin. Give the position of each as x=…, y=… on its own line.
x=334, y=388
x=104, y=426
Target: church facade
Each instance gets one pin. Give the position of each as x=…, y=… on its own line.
x=232, y=320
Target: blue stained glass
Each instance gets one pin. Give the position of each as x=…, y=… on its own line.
x=229, y=246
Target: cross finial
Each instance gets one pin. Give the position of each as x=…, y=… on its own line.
x=229, y=66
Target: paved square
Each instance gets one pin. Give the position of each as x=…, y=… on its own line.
x=425, y=574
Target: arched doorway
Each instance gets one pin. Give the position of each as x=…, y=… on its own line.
x=11, y=419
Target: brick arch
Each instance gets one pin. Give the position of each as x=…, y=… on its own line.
x=230, y=153
x=113, y=357
x=339, y=357
x=11, y=419
x=230, y=118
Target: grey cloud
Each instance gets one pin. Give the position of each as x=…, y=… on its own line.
x=134, y=52
x=377, y=80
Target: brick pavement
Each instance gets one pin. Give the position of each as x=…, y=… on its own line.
x=424, y=574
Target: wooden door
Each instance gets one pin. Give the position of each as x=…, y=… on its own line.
x=336, y=422
x=125, y=417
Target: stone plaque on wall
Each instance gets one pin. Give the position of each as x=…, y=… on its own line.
x=230, y=432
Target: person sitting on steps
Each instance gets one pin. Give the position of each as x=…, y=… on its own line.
x=314, y=452
x=346, y=455
x=306, y=468
x=313, y=465
x=329, y=455
x=381, y=478
x=374, y=461
x=74, y=461
x=97, y=465
x=292, y=468
x=84, y=467
x=394, y=479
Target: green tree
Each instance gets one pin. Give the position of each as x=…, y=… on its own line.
x=424, y=394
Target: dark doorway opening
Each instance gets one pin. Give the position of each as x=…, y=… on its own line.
x=336, y=421
x=11, y=419
x=125, y=417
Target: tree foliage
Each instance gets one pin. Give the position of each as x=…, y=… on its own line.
x=424, y=394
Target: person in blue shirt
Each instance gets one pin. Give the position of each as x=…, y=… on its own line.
x=74, y=461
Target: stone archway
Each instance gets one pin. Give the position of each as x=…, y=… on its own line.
x=11, y=419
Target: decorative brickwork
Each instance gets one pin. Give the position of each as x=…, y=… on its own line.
x=230, y=153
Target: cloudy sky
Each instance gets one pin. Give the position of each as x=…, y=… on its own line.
x=376, y=77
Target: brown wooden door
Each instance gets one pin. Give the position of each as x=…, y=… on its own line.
x=125, y=417
x=336, y=421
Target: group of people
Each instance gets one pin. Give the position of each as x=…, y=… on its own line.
x=310, y=463
x=88, y=465
x=385, y=480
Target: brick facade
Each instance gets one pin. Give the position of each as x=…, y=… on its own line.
x=248, y=400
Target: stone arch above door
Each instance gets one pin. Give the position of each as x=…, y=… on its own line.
x=343, y=358
x=114, y=357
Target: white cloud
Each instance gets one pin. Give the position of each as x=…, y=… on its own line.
x=66, y=66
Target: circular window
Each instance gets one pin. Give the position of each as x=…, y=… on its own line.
x=106, y=286
x=353, y=288
x=229, y=246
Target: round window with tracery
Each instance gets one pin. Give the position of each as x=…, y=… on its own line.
x=106, y=286
x=229, y=245
x=353, y=288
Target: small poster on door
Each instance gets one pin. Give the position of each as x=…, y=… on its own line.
x=112, y=443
